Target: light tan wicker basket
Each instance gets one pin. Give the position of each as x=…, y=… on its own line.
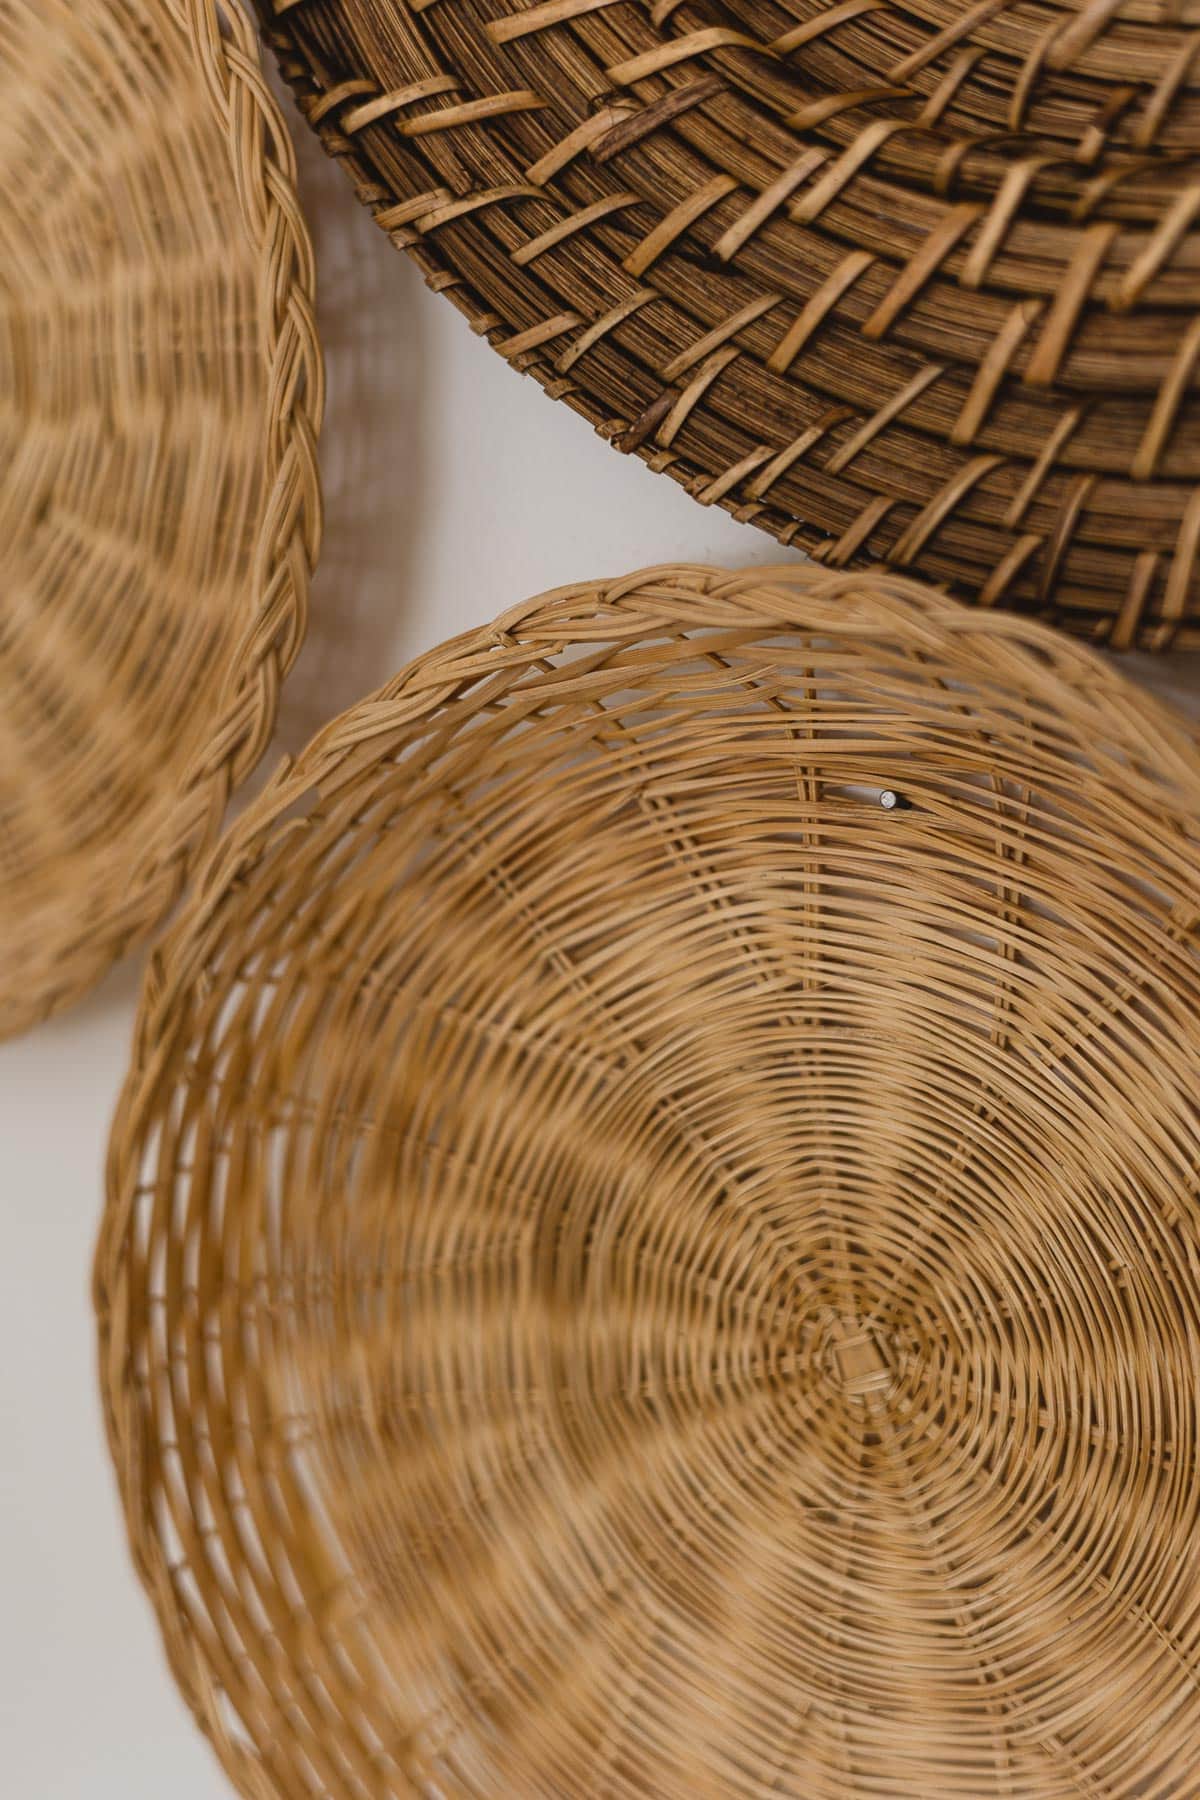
x=653, y=1243
x=161, y=391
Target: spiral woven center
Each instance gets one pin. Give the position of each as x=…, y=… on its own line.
x=859, y=1365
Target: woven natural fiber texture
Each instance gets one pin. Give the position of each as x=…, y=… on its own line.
x=898, y=280
x=1084, y=75
x=653, y=1243
x=160, y=391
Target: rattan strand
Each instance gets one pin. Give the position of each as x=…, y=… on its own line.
x=633, y=1268
x=821, y=287
x=160, y=393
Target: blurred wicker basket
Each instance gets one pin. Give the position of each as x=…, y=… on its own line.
x=652, y=1241
x=158, y=490
x=799, y=257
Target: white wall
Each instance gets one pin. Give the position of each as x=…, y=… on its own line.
x=454, y=488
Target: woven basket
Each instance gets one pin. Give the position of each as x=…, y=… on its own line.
x=158, y=491
x=652, y=1242
x=913, y=283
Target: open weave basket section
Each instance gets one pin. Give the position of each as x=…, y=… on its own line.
x=653, y=1243
x=910, y=282
x=160, y=393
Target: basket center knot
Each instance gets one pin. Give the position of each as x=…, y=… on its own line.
x=859, y=1364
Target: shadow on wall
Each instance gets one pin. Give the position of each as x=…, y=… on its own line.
x=371, y=461
x=1174, y=677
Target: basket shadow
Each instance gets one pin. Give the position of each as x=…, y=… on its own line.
x=1174, y=677
x=371, y=452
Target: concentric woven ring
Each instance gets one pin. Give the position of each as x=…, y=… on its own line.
x=634, y=1267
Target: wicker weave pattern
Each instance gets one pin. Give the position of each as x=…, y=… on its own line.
x=1078, y=74
x=633, y=1269
x=160, y=392
x=788, y=254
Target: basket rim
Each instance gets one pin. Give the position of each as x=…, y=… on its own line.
x=135, y=894
x=787, y=595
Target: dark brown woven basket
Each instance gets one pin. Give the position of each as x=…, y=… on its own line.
x=914, y=283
